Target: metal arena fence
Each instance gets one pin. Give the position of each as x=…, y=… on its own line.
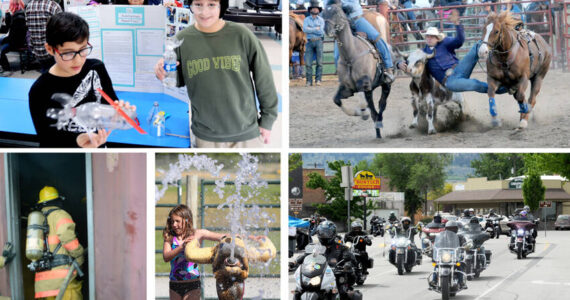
x=552, y=23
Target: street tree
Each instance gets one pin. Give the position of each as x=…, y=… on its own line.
x=549, y=163
x=533, y=190
x=496, y=166
x=415, y=174
x=336, y=207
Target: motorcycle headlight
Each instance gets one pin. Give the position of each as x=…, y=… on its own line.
x=520, y=231
x=315, y=281
x=446, y=257
x=402, y=243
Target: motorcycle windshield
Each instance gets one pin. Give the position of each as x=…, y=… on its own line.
x=313, y=265
x=475, y=233
x=447, y=239
x=315, y=249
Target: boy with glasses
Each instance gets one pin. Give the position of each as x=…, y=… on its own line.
x=67, y=37
x=224, y=68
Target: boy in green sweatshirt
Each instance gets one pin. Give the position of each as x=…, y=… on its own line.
x=224, y=68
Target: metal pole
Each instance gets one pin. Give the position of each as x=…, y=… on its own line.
x=365, y=213
x=348, y=201
x=544, y=215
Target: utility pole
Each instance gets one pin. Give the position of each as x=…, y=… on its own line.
x=347, y=183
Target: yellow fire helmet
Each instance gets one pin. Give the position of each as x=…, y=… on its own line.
x=48, y=193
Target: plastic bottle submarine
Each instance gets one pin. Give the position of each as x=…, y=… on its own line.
x=92, y=114
x=230, y=272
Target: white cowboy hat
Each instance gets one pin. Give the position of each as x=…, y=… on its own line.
x=435, y=32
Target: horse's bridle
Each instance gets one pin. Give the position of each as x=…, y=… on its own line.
x=338, y=27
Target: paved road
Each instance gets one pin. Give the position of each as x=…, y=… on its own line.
x=545, y=274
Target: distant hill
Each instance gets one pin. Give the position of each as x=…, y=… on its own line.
x=319, y=160
x=459, y=170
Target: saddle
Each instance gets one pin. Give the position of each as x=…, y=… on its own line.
x=529, y=36
x=299, y=24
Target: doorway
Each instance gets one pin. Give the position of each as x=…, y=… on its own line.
x=27, y=174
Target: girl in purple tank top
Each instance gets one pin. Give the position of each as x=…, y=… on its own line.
x=184, y=274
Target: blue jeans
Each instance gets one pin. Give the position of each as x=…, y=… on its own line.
x=459, y=81
x=411, y=15
x=314, y=51
x=362, y=25
x=4, y=63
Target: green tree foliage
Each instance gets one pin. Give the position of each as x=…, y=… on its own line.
x=496, y=166
x=336, y=207
x=533, y=191
x=549, y=163
x=438, y=193
x=295, y=161
x=415, y=174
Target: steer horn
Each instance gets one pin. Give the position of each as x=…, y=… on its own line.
x=194, y=253
x=431, y=55
x=404, y=55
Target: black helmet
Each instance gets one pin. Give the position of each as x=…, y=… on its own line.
x=474, y=220
x=406, y=222
x=466, y=213
x=437, y=218
x=355, y=225
x=491, y=211
x=326, y=232
x=452, y=226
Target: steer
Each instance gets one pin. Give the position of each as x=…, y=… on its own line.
x=427, y=91
x=230, y=272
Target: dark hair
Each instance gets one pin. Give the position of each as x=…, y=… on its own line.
x=66, y=27
x=223, y=6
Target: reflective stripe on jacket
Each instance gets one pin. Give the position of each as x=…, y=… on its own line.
x=61, y=230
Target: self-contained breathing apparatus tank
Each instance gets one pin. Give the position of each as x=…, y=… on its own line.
x=35, y=242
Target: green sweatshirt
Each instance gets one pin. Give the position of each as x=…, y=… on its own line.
x=216, y=68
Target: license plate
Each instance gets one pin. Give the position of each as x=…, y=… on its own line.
x=400, y=251
x=519, y=239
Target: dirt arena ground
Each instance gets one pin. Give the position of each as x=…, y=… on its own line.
x=316, y=122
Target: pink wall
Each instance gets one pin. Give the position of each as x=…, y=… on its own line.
x=4, y=283
x=119, y=199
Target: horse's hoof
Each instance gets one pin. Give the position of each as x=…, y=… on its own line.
x=523, y=124
x=379, y=124
x=378, y=135
x=432, y=131
x=496, y=122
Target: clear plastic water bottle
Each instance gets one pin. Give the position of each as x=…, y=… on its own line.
x=152, y=113
x=88, y=115
x=170, y=61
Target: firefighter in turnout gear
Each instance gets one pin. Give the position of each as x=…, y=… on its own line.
x=62, y=253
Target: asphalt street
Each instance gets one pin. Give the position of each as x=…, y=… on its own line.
x=542, y=275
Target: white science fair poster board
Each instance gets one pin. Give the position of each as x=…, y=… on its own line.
x=129, y=39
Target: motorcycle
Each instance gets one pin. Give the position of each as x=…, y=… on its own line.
x=430, y=232
x=403, y=253
x=476, y=257
x=447, y=260
x=315, y=279
x=522, y=243
x=490, y=228
x=364, y=262
x=303, y=238
x=377, y=226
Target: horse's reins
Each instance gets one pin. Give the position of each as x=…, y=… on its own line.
x=493, y=49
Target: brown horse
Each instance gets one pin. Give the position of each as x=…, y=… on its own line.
x=297, y=38
x=514, y=58
x=379, y=22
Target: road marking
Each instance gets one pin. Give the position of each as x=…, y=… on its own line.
x=550, y=283
x=520, y=270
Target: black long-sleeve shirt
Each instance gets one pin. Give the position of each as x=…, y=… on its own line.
x=82, y=87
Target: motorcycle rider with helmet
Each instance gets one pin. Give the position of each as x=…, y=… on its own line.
x=454, y=227
x=335, y=252
x=356, y=230
x=392, y=218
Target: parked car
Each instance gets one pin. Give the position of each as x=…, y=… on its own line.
x=562, y=222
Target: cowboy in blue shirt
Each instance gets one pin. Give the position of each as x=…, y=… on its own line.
x=445, y=67
x=314, y=27
x=353, y=11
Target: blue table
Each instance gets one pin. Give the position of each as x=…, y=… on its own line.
x=15, y=116
x=16, y=121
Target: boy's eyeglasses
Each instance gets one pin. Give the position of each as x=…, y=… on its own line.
x=67, y=56
x=200, y=7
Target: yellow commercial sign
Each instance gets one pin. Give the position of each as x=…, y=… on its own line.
x=365, y=180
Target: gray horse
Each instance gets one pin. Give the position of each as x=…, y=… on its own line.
x=358, y=67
